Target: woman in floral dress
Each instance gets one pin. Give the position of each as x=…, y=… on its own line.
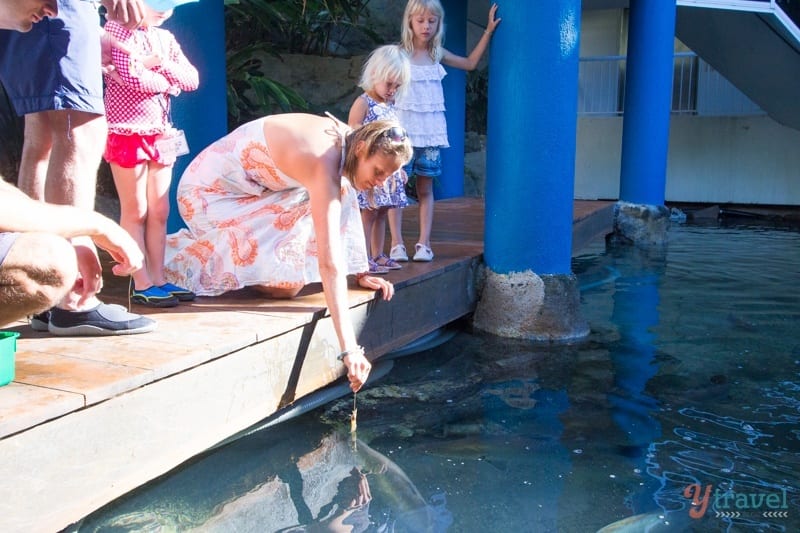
x=273, y=205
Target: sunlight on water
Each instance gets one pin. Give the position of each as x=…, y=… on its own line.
x=679, y=413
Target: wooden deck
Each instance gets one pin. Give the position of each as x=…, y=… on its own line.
x=89, y=419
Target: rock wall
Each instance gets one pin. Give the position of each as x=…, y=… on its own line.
x=327, y=83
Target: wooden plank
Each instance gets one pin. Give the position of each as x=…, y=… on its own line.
x=24, y=406
x=212, y=327
x=95, y=380
x=591, y=222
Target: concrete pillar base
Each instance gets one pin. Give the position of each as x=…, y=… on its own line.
x=524, y=305
x=642, y=225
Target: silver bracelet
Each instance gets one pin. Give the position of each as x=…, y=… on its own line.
x=341, y=356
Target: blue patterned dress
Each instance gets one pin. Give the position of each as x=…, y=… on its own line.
x=392, y=193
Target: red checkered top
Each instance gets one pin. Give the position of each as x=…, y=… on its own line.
x=137, y=97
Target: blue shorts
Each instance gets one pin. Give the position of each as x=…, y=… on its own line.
x=425, y=162
x=7, y=240
x=56, y=65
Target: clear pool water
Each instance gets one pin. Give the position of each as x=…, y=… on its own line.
x=679, y=413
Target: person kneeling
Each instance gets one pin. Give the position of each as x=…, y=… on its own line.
x=47, y=262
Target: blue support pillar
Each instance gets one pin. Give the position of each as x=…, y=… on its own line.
x=201, y=114
x=451, y=183
x=532, y=121
x=648, y=99
x=529, y=290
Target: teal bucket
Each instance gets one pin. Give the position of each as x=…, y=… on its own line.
x=8, y=350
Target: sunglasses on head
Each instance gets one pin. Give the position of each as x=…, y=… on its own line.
x=396, y=134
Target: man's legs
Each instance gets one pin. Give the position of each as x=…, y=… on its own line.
x=35, y=156
x=77, y=139
x=61, y=155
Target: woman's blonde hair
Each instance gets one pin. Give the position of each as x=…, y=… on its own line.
x=414, y=8
x=388, y=62
x=384, y=135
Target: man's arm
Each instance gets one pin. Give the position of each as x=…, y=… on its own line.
x=19, y=213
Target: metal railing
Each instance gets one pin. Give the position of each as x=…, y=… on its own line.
x=601, y=85
x=697, y=89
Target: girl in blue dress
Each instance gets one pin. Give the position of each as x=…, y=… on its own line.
x=385, y=74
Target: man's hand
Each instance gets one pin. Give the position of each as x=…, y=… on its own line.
x=128, y=13
x=20, y=213
x=121, y=246
x=90, y=272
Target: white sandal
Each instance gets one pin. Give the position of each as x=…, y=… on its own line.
x=424, y=253
x=398, y=253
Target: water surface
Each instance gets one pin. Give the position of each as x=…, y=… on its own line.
x=688, y=388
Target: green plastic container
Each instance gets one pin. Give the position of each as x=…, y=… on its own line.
x=8, y=348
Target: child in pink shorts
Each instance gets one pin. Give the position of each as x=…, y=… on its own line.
x=148, y=68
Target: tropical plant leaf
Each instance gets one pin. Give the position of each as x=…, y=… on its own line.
x=256, y=29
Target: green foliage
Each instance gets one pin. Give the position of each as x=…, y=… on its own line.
x=250, y=93
x=257, y=29
x=297, y=26
x=477, y=100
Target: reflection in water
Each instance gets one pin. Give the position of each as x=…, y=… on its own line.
x=635, y=313
x=271, y=481
x=477, y=423
x=679, y=411
x=739, y=462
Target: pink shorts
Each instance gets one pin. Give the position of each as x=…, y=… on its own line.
x=128, y=151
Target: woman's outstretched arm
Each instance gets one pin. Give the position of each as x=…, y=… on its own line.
x=326, y=210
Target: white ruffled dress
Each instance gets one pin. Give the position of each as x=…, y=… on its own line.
x=421, y=110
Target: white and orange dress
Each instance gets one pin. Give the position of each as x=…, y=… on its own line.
x=248, y=223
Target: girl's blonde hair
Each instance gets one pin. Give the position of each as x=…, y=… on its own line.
x=384, y=135
x=386, y=62
x=414, y=8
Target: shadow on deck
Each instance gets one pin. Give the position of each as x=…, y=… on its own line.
x=89, y=419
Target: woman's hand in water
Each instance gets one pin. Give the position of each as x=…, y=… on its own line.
x=358, y=368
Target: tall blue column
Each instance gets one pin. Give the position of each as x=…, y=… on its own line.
x=451, y=183
x=648, y=99
x=201, y=114
x=529, y=290
x=532, y=121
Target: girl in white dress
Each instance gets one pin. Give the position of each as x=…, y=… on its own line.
x=421, y=110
